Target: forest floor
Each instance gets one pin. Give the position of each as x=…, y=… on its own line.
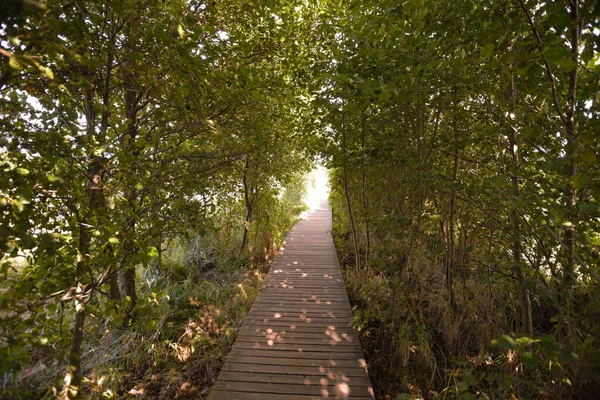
x=184, y=358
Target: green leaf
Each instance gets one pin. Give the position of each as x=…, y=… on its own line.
x=588, y=208
x=568, y=64
x=53, y=178
x=113, y=240
x=14, y=63
x=555, y=53
x=526, y=341
x=22, y=171
x=587, y=158
x=579, y=180
x=594, y=63
x=505, y=342
x=152, y=252
x=486, y=50
x=384, y=96
x=47, y=72
x=527, y=358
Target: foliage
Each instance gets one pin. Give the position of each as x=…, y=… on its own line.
x=463, y=145
x=131, y=128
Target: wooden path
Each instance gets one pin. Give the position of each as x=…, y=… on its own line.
x=297, y=341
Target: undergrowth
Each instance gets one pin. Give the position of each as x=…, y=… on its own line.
x=189, y=310
x=418, y=348
x=193, y=292
x=187, y=330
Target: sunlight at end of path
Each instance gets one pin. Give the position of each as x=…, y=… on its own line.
x=317, y=190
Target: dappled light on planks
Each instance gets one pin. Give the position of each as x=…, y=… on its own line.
x=297, y=341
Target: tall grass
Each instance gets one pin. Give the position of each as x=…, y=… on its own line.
x=417, y=347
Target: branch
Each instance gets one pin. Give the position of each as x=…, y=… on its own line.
x=546, y=64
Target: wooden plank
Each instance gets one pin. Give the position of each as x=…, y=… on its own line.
x=303, y=348
x=333, y=354
x=220, y=394
x=300, y=295
x=309, y=294
x=277, y=362
x=279, y=312
x=298, y=328
x=304, y=287
x=301, y=326
x=302, y=318
x=313, y=291
x=291, y=305
x=248, y=334
x=310, y=378
x=251, y=331
x=297, y=341
x=329, y=389
x=292, y=302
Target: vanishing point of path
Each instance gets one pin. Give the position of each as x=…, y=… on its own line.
x=297, y=342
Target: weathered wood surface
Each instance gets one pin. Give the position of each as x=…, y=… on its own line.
x=297, y=341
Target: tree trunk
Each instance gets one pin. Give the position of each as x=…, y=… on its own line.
x=568, y=121
x=571, y=151
x=129, y=147
x=73, y=378
x=451, y=264
x=248, y=205
x=525, y=299
x=511, y=94
x=127, y=274
x=364, y=198
x=114, y=292
x=347, y=193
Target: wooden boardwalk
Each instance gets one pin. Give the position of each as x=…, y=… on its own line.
x=297, y=341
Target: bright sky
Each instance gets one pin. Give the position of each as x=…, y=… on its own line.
x=318, y=187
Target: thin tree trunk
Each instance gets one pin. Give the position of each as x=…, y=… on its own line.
x=73, y=378
x=568, y=121
x=489, y=271
x=114, y=291
x=451, y=265
x=526, y=314
x=248, y=205
x=524, y=296
x=127, y=272
x=160, y=250
x=129, y=147
x=571, y=150
x=364, y=198
x=347, y=193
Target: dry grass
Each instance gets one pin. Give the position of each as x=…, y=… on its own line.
x=183, y=331
x=183, y=357
x=415, y=345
